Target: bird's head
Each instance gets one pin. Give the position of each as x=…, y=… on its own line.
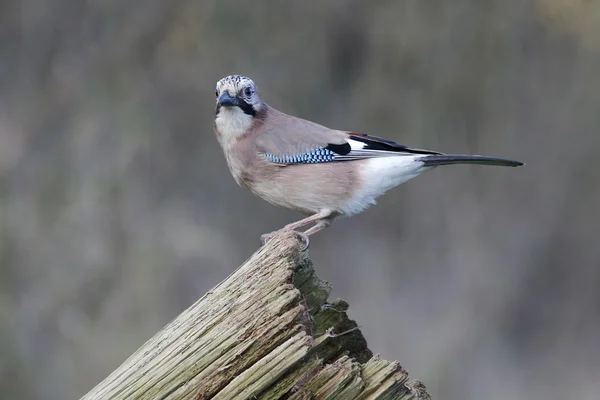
x=237, y=104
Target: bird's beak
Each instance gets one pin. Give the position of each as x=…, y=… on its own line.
x=227, y=101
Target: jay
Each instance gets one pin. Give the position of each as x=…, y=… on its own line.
x=301, y=165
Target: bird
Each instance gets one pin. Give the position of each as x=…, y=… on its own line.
x=304, y=166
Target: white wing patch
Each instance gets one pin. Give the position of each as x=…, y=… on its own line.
x=355, y=144
x=358, y=152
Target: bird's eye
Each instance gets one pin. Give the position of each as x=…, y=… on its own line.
x=217, y=93
x=248, y=91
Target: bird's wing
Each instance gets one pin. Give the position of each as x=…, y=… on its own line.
x=367, y=146
x=289, y=140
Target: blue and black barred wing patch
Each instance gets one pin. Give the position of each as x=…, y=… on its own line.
x=320, y=155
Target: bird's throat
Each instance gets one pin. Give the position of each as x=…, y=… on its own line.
x=232, y=122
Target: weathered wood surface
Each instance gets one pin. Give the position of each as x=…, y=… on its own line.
x=265, y=332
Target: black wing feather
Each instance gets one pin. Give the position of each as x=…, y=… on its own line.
x=381, y=144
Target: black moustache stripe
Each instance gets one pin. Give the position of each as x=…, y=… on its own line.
x=246, y=108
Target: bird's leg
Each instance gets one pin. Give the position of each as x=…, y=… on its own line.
x=322, y=224
x=303, y=222
x=318, y=217
x=319, y=225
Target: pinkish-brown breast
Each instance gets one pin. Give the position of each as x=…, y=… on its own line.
x=308, y=188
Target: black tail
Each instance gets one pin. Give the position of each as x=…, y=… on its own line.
x=447, y=159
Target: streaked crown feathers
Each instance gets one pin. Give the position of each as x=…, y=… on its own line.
x=234, y=83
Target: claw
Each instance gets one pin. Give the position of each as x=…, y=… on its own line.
x=265, y=238
x=305, y=238
x=268, y=236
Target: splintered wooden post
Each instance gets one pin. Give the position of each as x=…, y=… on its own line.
x=265, y=332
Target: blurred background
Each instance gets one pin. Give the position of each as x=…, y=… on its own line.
x=117, y=210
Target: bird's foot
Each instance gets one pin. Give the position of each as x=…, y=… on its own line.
x=268, y=236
